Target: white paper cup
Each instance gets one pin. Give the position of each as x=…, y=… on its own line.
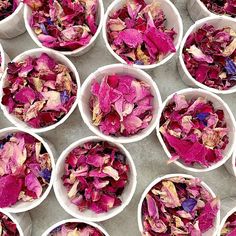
x=4, y=60
x=218, y=22
x=218, y=103
x=22, y=206
x=228, y=207
x=13, y=25
x=22, y=221
x=77, y=52
x=174, y=20
x=36, y=53
x=198, y=10
x=47, y=232
x=88, y=215
x=159, y=179
x=118, y=69
x=230, y=165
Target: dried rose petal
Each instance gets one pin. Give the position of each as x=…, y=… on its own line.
x=40, y=91
x=212, y=63
x=25, y=169
x=75, y=229
x=7, y=226
x=176, y=206
x=7, y=7
x=194, y=131
x=229, y=228
x=121, y=105
x=138, y=34
x=64, y=25
x=222, y=7
x=95, y=176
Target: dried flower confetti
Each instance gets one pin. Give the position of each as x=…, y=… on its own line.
x=221, y=7
x=229, y=228
x=64, y=25
x=95, y=176
x=75, y=229
x=137, y=32
x=25, y=169
x=178, y=206
x=121, y=105
x=209, y=55
x=7, y=226
x=194, y=131
x=40, y=91
x=7, y=7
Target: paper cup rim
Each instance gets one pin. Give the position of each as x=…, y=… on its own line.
x=3, y=58
x=229, y=213
x=160, y=178
x=144, y=67
x=121, y=139
x=15, y=13
x=21, y=124
x=233, y=162
x=73, y=220
x=192, y=29
x=12, y=218
x=36, y=202
x=161, y=140
x=66, y=53
x=117, y=210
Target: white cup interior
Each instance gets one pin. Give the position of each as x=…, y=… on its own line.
x=76, y=52
x=88, y=215
x=174, y=20
x=98, y=75
x=218, y=103
x=159, y=179
x=22, y=206
x=47, y=232
x=218, y=22
x=36, y=53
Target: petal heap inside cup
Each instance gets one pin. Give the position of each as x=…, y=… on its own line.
x=121, y=105
x=26, y=168
x=95, y=176
x=209, y=56
x=137, y=33
x=178, y=206
x=39, y=91
x=194, y=131
x=64, y=25
x=221, y=7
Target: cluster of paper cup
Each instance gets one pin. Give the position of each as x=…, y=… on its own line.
x=19, y=21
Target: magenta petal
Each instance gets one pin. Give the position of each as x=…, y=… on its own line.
x=10, y=187
x=132, y=123
x=32, y=184
x=131, y=37
x=208, y=215
x=158, y=42
x=45, y=63
x=152, y=207
x=25, y=95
